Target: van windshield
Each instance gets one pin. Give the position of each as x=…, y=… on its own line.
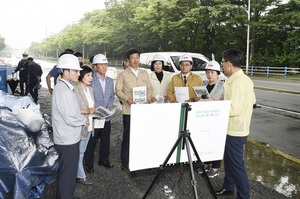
x=198, y=64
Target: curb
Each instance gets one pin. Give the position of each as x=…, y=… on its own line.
x=274, y=150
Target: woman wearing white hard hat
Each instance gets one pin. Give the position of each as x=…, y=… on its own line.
x=215, y=88
x=67, y=123
x=159, y=80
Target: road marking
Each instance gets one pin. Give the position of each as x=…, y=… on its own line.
x=278, y=109
x=272, y=82
x=277, y=90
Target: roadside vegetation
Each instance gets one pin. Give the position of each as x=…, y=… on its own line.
x=206, y=26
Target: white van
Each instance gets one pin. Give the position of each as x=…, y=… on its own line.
x=172, y=63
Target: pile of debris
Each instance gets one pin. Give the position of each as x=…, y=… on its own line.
x=28, y=157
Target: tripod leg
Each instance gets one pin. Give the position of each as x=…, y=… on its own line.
x=205, y=174
x=194, y=181
x=164, y=164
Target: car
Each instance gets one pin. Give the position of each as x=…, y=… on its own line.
x=172, y=63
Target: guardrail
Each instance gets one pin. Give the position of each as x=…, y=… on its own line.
x=253, y=70
x=272, y=71
x=115, y=63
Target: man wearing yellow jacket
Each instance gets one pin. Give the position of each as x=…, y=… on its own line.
x=185, y=78
x=239, y=89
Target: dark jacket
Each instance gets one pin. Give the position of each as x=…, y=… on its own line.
x=23, y=68
x=34, y=72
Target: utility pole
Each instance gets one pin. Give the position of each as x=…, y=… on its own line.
x=248, y=38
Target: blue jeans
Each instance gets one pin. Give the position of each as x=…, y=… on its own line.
x=235, y=171
x=82, y=148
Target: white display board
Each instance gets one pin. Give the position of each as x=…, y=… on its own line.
x=154, y=130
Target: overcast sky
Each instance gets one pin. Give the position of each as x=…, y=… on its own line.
x=25, y=21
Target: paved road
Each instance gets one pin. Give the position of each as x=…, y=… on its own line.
x=285, y=84
x=277, y=121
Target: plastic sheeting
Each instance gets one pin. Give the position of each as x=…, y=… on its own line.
x=27, y=159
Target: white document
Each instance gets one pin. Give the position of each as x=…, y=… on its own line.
x=102, y=112
x=99, y=116
x=182, y=94
x=99, y=123
x=201, y=90
x=139, y=94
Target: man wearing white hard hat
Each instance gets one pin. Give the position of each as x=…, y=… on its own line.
x=159, y=79
x=184, y=79
x=215, y=88
x=104, y=94
x=67, y=123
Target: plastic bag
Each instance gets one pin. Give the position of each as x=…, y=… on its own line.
x=30, y=116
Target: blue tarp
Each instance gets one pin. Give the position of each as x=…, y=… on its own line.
x=27, y=159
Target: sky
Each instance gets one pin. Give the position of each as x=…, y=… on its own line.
x=25, y=21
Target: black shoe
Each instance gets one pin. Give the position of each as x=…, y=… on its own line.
x=89, y=169
x=84, y=181
x=224, y=192
x=106, y=164
x=124, y=167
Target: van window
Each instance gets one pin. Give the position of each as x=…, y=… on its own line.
x=175, y=60
x=198, y=64
x=145, y=61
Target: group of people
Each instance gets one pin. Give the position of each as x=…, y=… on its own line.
x=81, y=89
x=30, y=74
x=76, y=94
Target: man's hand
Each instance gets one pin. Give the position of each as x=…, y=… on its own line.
x=130, y=101
x=87, y=122
x=91, y=110
x=50, y=90
x=153, y=99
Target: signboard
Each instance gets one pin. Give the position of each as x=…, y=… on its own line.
x=154, y=130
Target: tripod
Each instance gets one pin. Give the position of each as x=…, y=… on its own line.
x=184, y=136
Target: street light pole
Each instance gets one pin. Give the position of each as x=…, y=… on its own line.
x=248, y=38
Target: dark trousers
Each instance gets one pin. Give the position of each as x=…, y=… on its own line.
x=235, y=171
x=68, y=157
x=23, y=80
x=104, y=151
x=33, y=92
x=125, y=142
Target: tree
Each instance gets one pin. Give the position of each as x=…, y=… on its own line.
x=206, y=26
x=278, y=34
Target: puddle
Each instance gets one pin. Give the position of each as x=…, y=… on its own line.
x=272, y=169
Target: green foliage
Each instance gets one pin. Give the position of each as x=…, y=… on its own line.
x=206, y=26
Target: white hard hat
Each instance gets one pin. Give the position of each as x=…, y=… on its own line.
x=212, y=65
x=68, y=61
x=100, y=59
x=158, y=57
x=29, y=56
x=185, y=57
